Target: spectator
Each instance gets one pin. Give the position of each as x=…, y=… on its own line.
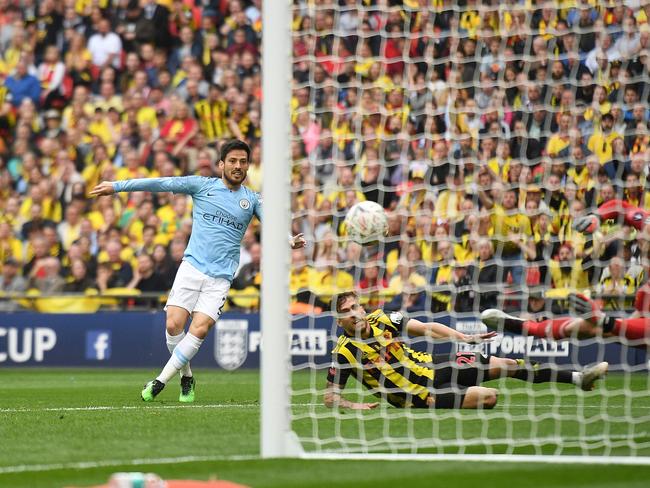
x=512, y=231
x=122, y=273
x=105, y=277
x=463, y=294
x=79, y=281
x=566, y=271
x=187, y=47
x=249, y=274
x=50, y=73
x=179, y=130
x=145, y=277
x=615, y=284
x=301, y=281
x=576, y=98
x=486, y=274
x=164, y=265
x=22, y=85
x=11, y=282
x=44, y=276
x=411, y=297
x=10, y=246
x=69, y=229
x=105, y=47
x=152, y=25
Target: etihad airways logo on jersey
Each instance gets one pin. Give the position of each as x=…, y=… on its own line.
x=223, y=218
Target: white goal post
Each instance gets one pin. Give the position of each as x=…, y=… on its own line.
x=294, y=421
x=275, y=366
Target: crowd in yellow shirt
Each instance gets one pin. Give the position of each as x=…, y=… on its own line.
x=483, y=132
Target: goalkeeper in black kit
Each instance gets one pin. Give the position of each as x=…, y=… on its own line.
x=371, y=350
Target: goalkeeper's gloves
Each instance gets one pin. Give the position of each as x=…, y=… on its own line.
x=587, y=309
x=582, y=305
x=587, y=224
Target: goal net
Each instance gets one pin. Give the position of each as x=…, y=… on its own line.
x=488, y=131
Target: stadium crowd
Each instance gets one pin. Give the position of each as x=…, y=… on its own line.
x=484, y=128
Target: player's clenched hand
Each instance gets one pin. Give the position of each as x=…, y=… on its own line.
x=298, y=241
x=479, y=338
x=104, y=188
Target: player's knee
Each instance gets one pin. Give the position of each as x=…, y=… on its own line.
x=480, y=397
x=200, y=333
x=200, y=329
x=174, y=326
x=176, y=320
x=500, y=367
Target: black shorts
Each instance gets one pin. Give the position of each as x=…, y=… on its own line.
x=454, y=374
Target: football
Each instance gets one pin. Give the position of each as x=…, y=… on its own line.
x=366, y=222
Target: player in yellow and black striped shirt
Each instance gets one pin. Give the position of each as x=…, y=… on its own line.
x=212, y=115
x=372, y=350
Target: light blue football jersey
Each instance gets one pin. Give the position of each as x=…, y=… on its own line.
x=220, y=218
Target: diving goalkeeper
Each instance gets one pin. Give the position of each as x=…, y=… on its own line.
x=589, y=321
x=371, y=350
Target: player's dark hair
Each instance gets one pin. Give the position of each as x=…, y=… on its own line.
x=342, y=297
x=234, y=145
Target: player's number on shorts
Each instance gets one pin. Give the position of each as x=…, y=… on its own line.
x=463, y=358
x=223, y=302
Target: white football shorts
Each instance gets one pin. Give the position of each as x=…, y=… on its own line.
x=198, y=292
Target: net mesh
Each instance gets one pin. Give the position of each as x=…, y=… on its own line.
x=488, y=131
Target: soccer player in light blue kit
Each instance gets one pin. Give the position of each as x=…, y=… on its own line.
x=222, y=210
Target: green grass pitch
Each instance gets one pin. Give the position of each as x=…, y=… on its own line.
x=73, y=427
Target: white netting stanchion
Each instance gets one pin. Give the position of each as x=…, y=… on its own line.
x=490, y=133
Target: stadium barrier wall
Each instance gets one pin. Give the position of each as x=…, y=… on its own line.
x=137, y=339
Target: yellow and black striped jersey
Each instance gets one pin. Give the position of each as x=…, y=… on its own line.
x=383, y=363
x=212, y=118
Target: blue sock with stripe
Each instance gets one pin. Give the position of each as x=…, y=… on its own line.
x=182, y=355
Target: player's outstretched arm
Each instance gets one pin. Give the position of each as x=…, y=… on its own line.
x=179, y=184
x=436, y=330
x=333, y=399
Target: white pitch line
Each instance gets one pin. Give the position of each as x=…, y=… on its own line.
x=574, y=407
x=30, y=468
x=108, y=408
x=100, y=408
x=464, y=458
x=517, y=441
